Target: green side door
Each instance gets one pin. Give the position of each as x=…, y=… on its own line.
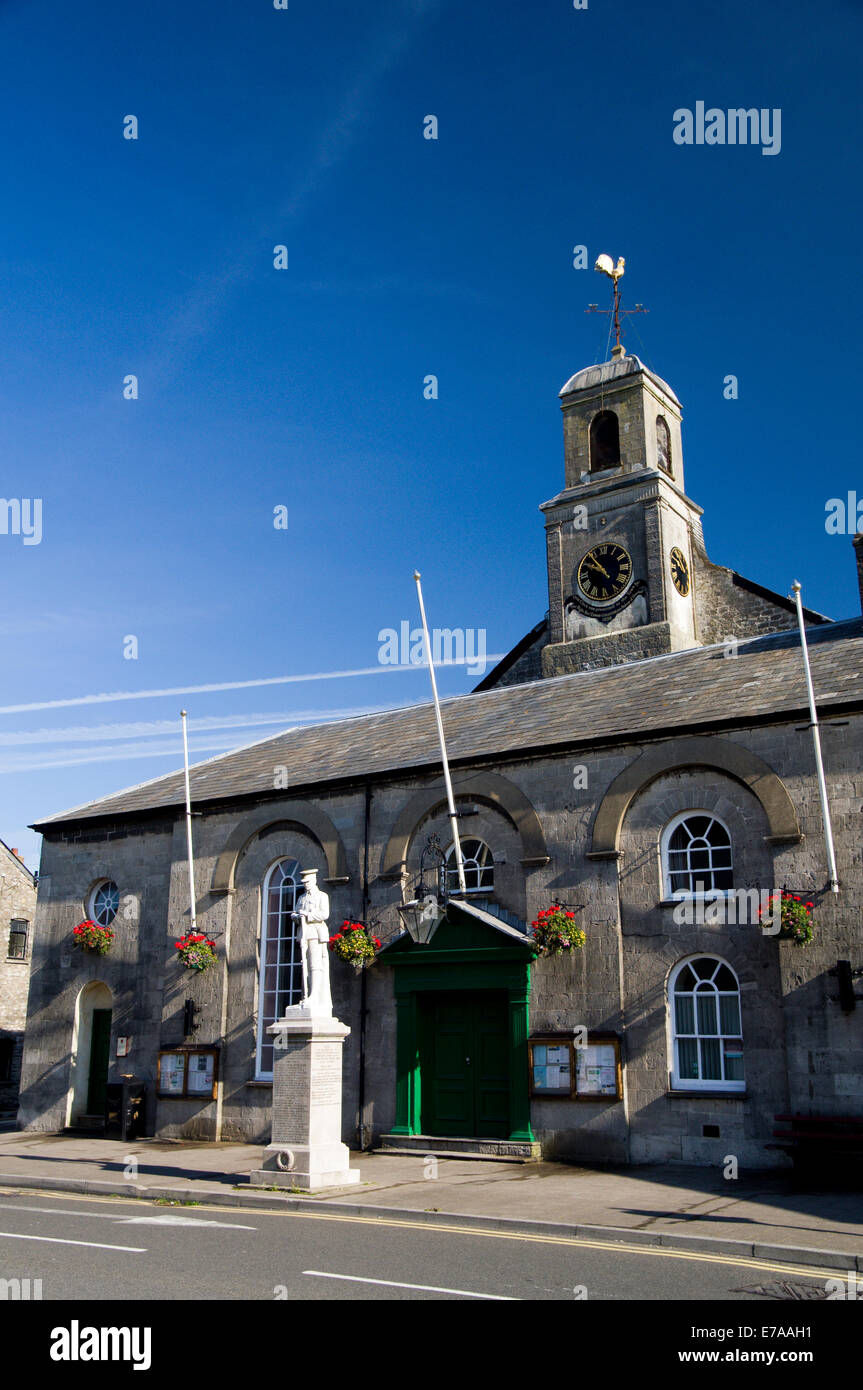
x=100, y=1051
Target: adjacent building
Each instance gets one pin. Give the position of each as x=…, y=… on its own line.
x=17, y=914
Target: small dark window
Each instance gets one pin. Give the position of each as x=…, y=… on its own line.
x=663, y=444
x=7, y=1048
x=710, y=1131
x=604, y=441
x=18, y=941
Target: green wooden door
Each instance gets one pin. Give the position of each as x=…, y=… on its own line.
x=100, y=1049
x=464, y=1065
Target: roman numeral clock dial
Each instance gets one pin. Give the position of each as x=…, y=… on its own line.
x=679, y=571
x=604, y=573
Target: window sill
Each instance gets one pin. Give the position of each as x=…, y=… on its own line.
x=707, y=1095
x=261, y=1083
x=721, y=895
x=17, y=960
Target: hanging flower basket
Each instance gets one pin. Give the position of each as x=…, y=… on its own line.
x=91, y=937
x=795, y=919
x=555, y=931
x=196, y=951
x=354, y=945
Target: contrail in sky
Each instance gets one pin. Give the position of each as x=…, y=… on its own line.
x=110, y=697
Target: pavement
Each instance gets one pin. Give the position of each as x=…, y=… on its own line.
x=757, y=1215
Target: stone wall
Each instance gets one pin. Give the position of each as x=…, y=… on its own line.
x=726, y=607
x=137, y=857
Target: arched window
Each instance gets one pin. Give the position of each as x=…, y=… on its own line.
x=696, y=855
x=104, y=903
x=707, y=1041
x=478, y=867
x=281, y=980
x=604, y=441
x=663, y=444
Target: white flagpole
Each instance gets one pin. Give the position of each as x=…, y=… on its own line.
x=194, y=926
x=816, y=739
x=453, y=815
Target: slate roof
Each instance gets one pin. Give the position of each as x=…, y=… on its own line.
x=696, y=689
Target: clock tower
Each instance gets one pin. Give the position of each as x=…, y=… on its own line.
x=621, y=537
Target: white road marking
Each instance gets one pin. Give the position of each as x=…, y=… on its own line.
x=91, y=1244
x=423, y=1288
x=168, y=1219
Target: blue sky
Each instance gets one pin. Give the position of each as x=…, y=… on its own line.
x=304, y=387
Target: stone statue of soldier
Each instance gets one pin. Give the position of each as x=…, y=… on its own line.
x=311, y=912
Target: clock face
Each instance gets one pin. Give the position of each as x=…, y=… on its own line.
x=604, y=573
x=680, y=571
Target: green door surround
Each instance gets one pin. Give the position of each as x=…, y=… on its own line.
x=463, y=955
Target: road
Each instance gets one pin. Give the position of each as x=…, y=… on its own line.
x=101, y=1248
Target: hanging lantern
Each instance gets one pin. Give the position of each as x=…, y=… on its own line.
x=427, y=908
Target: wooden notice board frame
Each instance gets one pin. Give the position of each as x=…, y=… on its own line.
x=579, y=1073
x=187, y=1082
x=547, y=1052
x=602, y=1054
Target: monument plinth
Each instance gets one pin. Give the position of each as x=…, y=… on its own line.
x=306, y=1148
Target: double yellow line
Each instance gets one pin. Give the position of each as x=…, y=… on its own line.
x=530, y=1238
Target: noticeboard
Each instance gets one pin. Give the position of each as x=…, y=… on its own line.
x=564, y=1067
x=597, y=1070
x=551, y=1069
x=188, y=1073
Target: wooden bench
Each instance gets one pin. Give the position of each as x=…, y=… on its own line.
x=832, y=1144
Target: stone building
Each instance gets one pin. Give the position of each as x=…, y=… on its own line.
x=17, y=913
x=642, y=756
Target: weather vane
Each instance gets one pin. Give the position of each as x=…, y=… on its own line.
x=614, y=273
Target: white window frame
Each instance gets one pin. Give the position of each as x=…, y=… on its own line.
x=671, y=894
x=677, y=1082
x=261, y=1022
x=91, y=901
x=469, y=863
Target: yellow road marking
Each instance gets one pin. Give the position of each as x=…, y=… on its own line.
x=621, y=1246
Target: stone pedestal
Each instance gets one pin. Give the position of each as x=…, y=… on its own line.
x=306, y=1149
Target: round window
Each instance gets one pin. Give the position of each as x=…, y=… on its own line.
x=104, y=903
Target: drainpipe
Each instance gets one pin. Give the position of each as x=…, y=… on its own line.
x=363, y=1010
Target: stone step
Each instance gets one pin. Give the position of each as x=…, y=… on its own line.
x=494, y=1150
x=86, y=1124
